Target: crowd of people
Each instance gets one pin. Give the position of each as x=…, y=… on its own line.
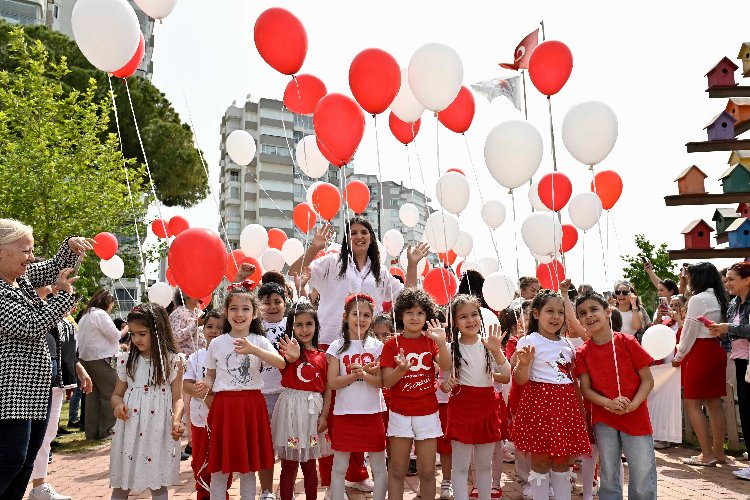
x=351, y=368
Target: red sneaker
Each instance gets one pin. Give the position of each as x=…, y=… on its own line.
x=497, y=493
x=474, y=493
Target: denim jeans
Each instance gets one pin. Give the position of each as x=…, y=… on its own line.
x=75, y=401
x=639, y=452
x=21, y=442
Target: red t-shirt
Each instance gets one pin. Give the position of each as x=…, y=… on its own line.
x=598, y=361
x=511, y=345
x=413, y=395
x=309, y=375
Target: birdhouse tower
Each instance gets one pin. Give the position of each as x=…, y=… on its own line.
x=691, y=181
x=744, y=56
x=739, y=233
x=697, y=235
x=736, y=179
x=721, y=127
x=722, y=75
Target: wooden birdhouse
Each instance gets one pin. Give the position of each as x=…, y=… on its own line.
x=742, y=157
x=722, y=75
x=743, y=210
x=721, y=127
x=739, y=233
x=691, y=181
x=744, y=56
x=724, y=217
x=697, y=235
x=736, y=179
x=739, y=107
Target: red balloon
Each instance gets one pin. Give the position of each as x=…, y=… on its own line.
x=303, y=93
x=105, y=245
x=339, y=126
x=448, y=258
x=397, y=271
x=404, y=132
x=374, y=79
x=459, y=115
x=607, y=184
x=441, y=284
x=569, y=237
x=357, y=196
x=304, y=217
x=198, y=259
x=235, y=259
x=170, y=277
x=161, y=229
x=205, y=301
x=550, y=275
x=457, y=170
x=555, y=190
x=459, y=267
x=326, y=200
x=178, y=224
x=281, y=40
x=426, y=268
x=130, y=68
x=550, y=66
x=276, y=238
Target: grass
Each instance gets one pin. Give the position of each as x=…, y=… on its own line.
x=75, y=442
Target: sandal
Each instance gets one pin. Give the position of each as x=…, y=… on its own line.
x=694, y=461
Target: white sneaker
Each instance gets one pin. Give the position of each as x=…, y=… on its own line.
x=46, y=492
x=365, y=486
x=446, y=490
x=526, y=492
x=744, y=455
x=267, y=495
x=743, y=474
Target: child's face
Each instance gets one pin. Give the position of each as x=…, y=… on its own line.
x=140, y=335
x=273, y=308
x=304, y=328
x=240, y=312
x=212, y=329
x=529, y=291
x=468, y=320
x=593, y=317
x=381, y=331
x=551, y=316
x=414, y=320
x=359, y=319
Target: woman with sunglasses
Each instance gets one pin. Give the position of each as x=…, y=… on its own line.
x=634, y=316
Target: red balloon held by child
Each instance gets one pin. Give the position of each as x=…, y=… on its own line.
x=235, y=259
x=105, y=245
x=403, y=131
x=550, y=275
x=374, y=79
x=198, y=260
x=441, y=284
x=569, y=237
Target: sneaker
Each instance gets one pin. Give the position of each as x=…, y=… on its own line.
x=526, y=492
x=474, y=493
x=365, y=486
x=412, y=471
x=267, y=495
x=496, y=493
x=328, y=494
x=189, y=450
x=446, y=490
x=184, y=456
x=74, y=423
x=743, y=474
x=46, y=492
x=744, y=455
x=61, y=431
x=660, y=445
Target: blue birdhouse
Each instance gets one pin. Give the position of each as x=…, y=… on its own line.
x=739, y=233
x=721, y=127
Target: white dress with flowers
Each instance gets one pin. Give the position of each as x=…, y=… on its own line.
x=143, y=454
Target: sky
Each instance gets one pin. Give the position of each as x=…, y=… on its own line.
x=647, y=61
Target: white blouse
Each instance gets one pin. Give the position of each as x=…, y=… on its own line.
x=702, y=304
x=98, y=337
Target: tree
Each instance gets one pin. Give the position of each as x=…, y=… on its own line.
x=634, y=272
x=59, y=175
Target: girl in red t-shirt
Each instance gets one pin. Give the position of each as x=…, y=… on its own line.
x=300, y=415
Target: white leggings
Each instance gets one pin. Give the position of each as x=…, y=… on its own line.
x=341, y=463
x=588, y=468
x=218, y=487
x=482, y=467
x=160, y=494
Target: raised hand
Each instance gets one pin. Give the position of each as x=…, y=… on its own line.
x=79, y=245
x=564, y=287
x=435, y=331
x=301, y=279
x=245, y=270
x=243, y=346
x=402, y=363
x=416, y=253
x=65, y=281
x=525, y=355
x=494, y=340
x=322, y=236
x=449, y=385
x=633, y=300
x=121, y=411
x=289, y=347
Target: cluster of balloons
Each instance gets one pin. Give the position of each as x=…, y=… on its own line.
x=166, y=229
x=105, y=247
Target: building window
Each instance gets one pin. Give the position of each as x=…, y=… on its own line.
x=125, y=298
x=233, y=227
x=394, y=202
x=277, y=131
x=56, y=11
x=270, y=149
x=233, y=211
x=234, y=193
x=234, y=175
x=303, y=121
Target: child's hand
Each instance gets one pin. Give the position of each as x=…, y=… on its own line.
x=372, y=368
x=322, y=423
x=245, y=270
x=564, y=287
x=208, y=400
x=202, y=388
x=449, y=385
x=416, y=253
x=289, y=347
x=243, y=346
x=402, y=363
x=301, y=279
x=435, y=331
x=356, y=369
x=525, y=355
x=494, y=340
x=121, y=411
x=177, y=430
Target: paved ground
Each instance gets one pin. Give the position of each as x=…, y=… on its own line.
x=85, y=476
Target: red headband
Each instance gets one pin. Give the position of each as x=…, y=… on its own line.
x=359, y=296
x=248, y=285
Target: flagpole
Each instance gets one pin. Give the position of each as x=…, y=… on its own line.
x=543, y=37
x=525, y=107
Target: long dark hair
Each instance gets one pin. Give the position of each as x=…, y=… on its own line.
x=471, y=283
x=537, y=304
x=458, y=301
x=353, y=301
x=703, y=276
x=303, y=307
x=155, y=318
x=256, y=326
x=102, y=299
x=619, y=283
x=373, y=253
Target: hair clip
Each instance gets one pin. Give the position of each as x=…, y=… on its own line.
x=359, y=296
x=248, y=285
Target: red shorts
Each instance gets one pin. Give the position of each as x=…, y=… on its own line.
x=474, y=416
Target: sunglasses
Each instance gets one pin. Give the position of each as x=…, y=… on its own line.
x=622, y=292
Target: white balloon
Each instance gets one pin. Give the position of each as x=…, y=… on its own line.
x=452, y=191
x=393, y=241
x=542, y=233
x=404, y=261
x=409, y=214
x=534, y=199
x=589, y=131
x=158, y=9
x=435, y=75
x=405, y=106
x=160, y=293
x=309, y=158
x=272, y=260
x=113, y=268
x=240, y=146
x=464, y=244
x=493, y=213
x=659, y=341
x=498, y=291
x=106, y=31
x=488, y=318
x=308, y=195
x=542, y=259
x=384, y=258
x=441, y=231
x=292, y=249
x=470, y=265
x=488, y=265
x=513, y=152
x=584, y=210
x=254, y=240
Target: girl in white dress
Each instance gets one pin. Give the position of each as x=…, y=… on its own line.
x=147, y=400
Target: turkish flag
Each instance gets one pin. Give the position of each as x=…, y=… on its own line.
x=523, y=52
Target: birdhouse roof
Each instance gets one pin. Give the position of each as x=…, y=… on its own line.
x=725, y=213
x=719, y=63
x=716, y=118
x=729, y=171
x=685, y=172
x=734, y=226
x=695, y=224
x=740, y=101
x=745, y=46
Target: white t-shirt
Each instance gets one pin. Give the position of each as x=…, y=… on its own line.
x=98, y=337
x=627, y=322
x=196, y=371
x=473, y=370
x=271, y=375
x=553, y=360
x=333, y=291
x=236, y=372
x=359, y=397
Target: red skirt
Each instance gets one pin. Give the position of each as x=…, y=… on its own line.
x=240, y=434
x=704, y=370
x=474, y=416
x=358, y=433
x=550, y=422
x=444, y=443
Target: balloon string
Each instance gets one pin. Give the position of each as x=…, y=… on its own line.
x=599, y=229
x=424, y=186
x=614, y=228
x=583, y=257
x=442, y=210
x=348, y=231
x=381, y=208
x=525, y=105
x=295, y=165
x=515, y=233
x=408, y=163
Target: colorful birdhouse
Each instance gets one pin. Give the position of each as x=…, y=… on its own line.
x=744, y=56
x=697, y=235
x=722, y=75
x=739, y=233
x=743, y=210
x=739, y=107
x=736, y=179
x=721, y=127
x=724, y=217
x=691, y=181
x=740, y=157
